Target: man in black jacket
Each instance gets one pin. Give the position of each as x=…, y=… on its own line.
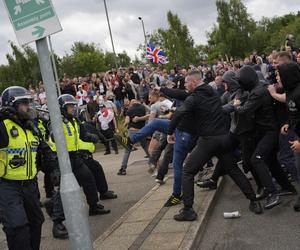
x=213, y=141
x=290, y=78
x=263, y=140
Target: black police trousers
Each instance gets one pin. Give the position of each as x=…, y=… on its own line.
x=206, y=148
x=85, y=179
x=20, y=214
x=97, y=170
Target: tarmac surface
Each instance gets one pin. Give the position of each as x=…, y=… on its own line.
x=275, y=229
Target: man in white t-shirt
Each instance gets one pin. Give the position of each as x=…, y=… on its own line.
x=42, y=96
x=81, y=96
x=108, y=125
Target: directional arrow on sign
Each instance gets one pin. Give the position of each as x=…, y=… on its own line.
x=39, y=31
x=17, y=9
x=40, y=1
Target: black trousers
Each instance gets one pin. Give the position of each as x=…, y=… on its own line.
x=247, y=166
x=86, y=179
x=261, y=151
x=156, y=154
x=166, y=160
x=48, y=185
x=20, y=214
x=109, y=134
x=206, y=148
x=97, y=170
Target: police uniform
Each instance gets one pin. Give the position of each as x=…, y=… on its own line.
x=86, y=150
x=20, y=211
x=81, y=172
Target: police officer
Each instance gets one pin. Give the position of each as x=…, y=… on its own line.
x=20, y=212
x=84, y=176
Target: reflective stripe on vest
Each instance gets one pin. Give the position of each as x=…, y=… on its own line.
x=18, y=159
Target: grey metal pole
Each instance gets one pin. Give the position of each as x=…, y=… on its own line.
x=144, y=32
x=74, y=206
x=54, y=65
x=110, y=33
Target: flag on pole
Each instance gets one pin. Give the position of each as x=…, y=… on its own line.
x=156, y=55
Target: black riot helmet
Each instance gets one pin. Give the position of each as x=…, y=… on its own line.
x=66, y=99
x=15, y=95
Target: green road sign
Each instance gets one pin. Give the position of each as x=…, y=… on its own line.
x=32, y=19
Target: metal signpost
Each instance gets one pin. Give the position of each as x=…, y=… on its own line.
x=34, y=20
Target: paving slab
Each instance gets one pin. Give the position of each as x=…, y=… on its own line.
x=152, y=224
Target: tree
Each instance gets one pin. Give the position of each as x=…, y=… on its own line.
x=176, y=41
x=233, y=32
x=22, y=69
x=86, y=58
x=123, y=59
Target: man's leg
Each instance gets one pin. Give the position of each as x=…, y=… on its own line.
x=98, y=173
x=86, y=179
x=285, y=155
x=259, y=160
x=106, y=143
x=164, y=164
x=34, y=213
x=49, y=188
x=195, y=162
x=160, y=125
x=13, y=217
x=154, y=157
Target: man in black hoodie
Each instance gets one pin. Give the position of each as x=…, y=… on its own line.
x=213, y=141
x=290, y=78
x=263, y=141
x=240, y=125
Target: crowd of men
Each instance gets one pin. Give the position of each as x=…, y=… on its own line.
x=246, y=113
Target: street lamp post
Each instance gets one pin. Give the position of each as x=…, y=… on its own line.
x=110, y=33
x=140, y=18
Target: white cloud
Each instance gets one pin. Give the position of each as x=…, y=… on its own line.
x=86, y=20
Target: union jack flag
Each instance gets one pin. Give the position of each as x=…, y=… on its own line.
x=156, y=55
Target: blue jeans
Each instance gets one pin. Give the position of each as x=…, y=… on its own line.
x=127, y=152
x=184, y=143
x=160, y=125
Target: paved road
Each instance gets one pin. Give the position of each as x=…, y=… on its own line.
x=276, y=229
x=130, y=189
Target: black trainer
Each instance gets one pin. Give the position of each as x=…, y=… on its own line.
x=107, y=153
x=272, y=201
x=173, y=200
x=59, y=231
x=186, y=214
x=108, y=195
x=285, y=192
x=209, y=183
x=122, y=172
x=124, y=141
x=98, y=210
x=255, y=207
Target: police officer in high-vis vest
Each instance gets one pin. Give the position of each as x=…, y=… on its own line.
x=20, y=211
x=81, y=172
